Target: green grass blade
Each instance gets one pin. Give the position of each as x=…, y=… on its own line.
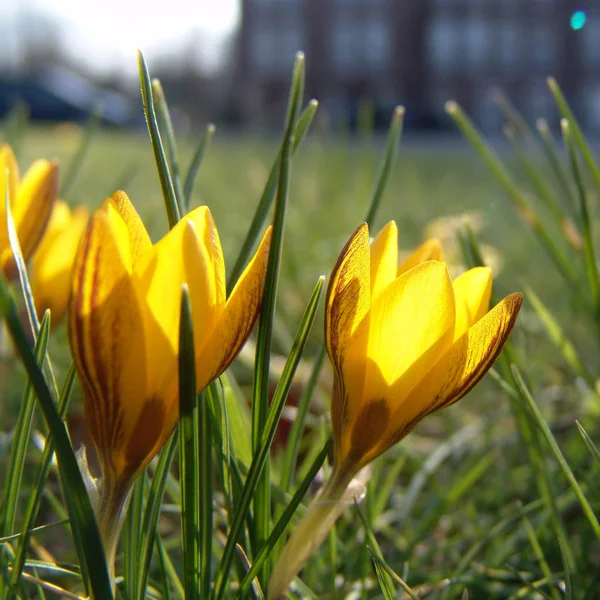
x=387, y=163
x=260, y=456
x=162, y=563
x=262, y=494
x=195, y=163
x=166, y=124
x=387, y=569
x=539, y=555
x=74, y=167
x=558, y=455
x=285, y=517
x=558, y=338
x=207, y=398
x=20, y=442
x=537, y=178
x=588, y=442
x=152, y=514
x=268, y=195
x=80, y=511
x=556, y=166
x=567, y=572
x=585, y=220
x=35, y=497
x=189, y=452
x=381, y=575
x=169, y=568
x=132, y=532
x=565, y=110
x=290, y=458
x=511, y=188
x=164, y=174
x=372, y=544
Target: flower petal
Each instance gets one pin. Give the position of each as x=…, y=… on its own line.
x=472, y=292
x=179, y=257
x=8, y=164
x=412, y=321
x=106, y=334
x=139, y=240
x=347, y=305
x=458, y=370
x=384, y=259
x=235, y=322
x=348, y=294
x=429, y=250
x=52, y=262
x=31, y=211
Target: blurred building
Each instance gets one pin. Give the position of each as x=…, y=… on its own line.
x=421, y=53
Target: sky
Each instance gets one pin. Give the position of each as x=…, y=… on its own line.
x=106, y=34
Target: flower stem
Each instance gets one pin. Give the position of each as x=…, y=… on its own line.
x=338, y=494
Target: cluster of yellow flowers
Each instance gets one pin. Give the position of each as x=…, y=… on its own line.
x=404, y=341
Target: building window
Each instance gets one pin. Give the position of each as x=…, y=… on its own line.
x=273, y=50
x=543, y=46
x=444, y=44
x=478, y=41
x=590, y=99
x=589, y=41
x=508, y=45
x=359, y=46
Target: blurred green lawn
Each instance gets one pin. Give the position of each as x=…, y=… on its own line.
x=330, y=187
x=452, y=508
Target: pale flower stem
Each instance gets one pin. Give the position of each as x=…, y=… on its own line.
x=110, y=514
x=335, y=497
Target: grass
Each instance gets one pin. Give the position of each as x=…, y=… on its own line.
x=457, y=505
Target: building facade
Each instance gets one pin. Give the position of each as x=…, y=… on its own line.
x=421, y=53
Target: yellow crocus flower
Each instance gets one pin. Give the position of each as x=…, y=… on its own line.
x=124, y=334
x=53, y=260
x=31, y=200
x=403, y=344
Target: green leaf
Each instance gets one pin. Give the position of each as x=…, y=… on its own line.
x=166, y=125
x=20, y=442
x=260, y=403
x=80, y=511
x=37, y=491
x=285, y=517
x=152, y=514
x=558, y=455
x=268, y=195
x=164, y=173
x=387, y=163
x=189, y=452
x=260, y=456
x=195, y=163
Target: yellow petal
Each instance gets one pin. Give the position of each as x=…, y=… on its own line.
x=429, y=250
x=139, y=240
x=8, y=165
x=458, y=370
x=472, y=292
x=384, y=259
x=348, y=294
x=236, y=321
x=31, y=212
x=179, y=257
x=106, y=334
x=411, y=326
x=52, y=262
x=347, y=304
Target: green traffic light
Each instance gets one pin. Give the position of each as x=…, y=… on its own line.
x=578, y=19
